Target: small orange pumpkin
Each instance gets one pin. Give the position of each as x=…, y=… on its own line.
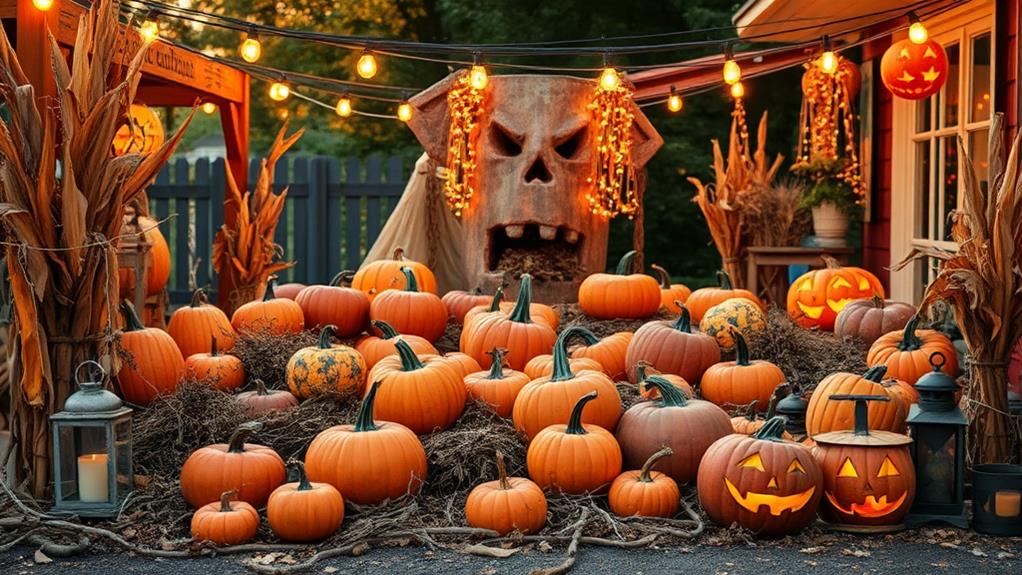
x=252, y=470
x=644, y=370
x=222, y=371
x=906, y=353
x=225, y=522
x=741, y=381
x=411, y=311
x=273, y=315
x=621, y=294
x=305, y=511
x=459, y=302
x=703, y=299
x=671, y=295
x=376, y=277
x=644, y=492
x=333, y=304
x=424, y=395
x=507, y=504
x=609, y=352
x=195, y=325
x=374, y=348
x=498, y=387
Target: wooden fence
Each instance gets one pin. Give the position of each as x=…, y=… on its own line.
x=333, y=214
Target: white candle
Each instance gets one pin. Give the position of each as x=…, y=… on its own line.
x=93, y=477
x=1007, y=503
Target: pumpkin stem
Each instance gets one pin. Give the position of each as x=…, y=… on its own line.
x=780, y=392
x=261, y=387
x=497, y=369
x=498, y=296
x=662, y=276
x=236, y=444
x=562, y=367
x=624, y=266
x=502, y=471
x=225, y=500
x=742, y=355
x=409, y=361
x=640, y=371
x=326, y=335
x=131, y=321
x=648, y=466
x=724, y=280
x=670, y=396
x=303, y=478
x=773, y=429
x=751, y=416
x=878, y=302
x=385, y=328
x=411, y=284
x=399, y=254
x=269, y=295
x=344, y=276
x=861, y=409
x=830, y=262
x=575, y=421
x=684, y=321
x=522, y=313
x=875, y=374
x=910, y=341
x=364, y=421
x=198, y=297
x=213, y=351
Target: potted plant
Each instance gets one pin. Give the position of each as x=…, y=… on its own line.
x=830, y=197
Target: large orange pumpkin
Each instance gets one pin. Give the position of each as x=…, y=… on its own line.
x=424, y=395
x=507, y=504
x=374, y=348
x=376, y=277
x=151, y=361
x=865, y=320
x=498, y=387
x=914, y=71
x=672, y=347
x=538, y=311
x=704, y=298
x=671, y=295
x=273, y=315
x=609, y=352
x=621, y=294
x=158, y=271
x=544, y=365
x=517, y=332
x=816, y=297
x=254, y=471
x=344, y=307
x=195, y=325
x=823, y=415
x=906, y=353
x=741, y=381
x=410, y=310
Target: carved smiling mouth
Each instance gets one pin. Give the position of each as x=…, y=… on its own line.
x=547, y=252
x=777, y=503
x=870, y=507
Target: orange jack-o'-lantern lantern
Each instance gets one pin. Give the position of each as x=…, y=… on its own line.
x=762, y=482
x=914, y=71
x=816, y=297
x=868, y=476
x=143, y=135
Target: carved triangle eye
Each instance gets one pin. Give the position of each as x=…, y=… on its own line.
x=887, y=468
x=796, y=467
x=847, y=469
x=754, y=461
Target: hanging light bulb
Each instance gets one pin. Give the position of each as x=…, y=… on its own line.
x=478, y=78
x=251, y=49
x=343, y=108
x=732, y=71
x=279, y=91
x=42, y=5
x=404, y=111
x=917, y=32
x=366, y=66
x=674, y=102
x=150, y=29
x=828, y=60
x=610, y=79
x=209, y=108
x=737, y=90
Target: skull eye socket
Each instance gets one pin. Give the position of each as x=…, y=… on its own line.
x=506, y=143
x=847, y=469
x=754, y=461
x=796, y=467
x=571, y=147
x=887, y=468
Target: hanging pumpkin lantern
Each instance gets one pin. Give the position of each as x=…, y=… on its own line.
x=141, y=135
x=914, y=71
x=816, y=297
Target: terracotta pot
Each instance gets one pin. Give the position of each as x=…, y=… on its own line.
x=830, y=224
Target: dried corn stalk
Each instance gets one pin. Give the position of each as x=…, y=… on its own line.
x=62, y=196
x=245, y=251
x=982, y=281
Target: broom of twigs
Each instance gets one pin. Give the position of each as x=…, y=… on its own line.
x=60, y=225
x=720, y=201
x=982, y=281
x=245, y=251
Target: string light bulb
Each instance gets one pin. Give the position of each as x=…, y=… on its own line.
x=732, y=71
x=478, y=78
x=917, y=32
x=827, y=62
x=251, y=49
x=343, y=108
x=209, y=108
x=366, y=66
x=279, y=91
x=42, y=5
x=737, y=90
x=404, y=111
x=150, y=29
x=674, y=102
x=610, y=79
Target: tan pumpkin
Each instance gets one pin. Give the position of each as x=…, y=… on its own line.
x=262, y=401
x=865, y=320
x=459, y=302
x=672, y=347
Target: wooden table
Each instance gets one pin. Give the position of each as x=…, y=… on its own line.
x=761, y=256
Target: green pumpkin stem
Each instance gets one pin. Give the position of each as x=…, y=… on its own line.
x=640, y=372
x=269, y=295
x=648, y=465
x=411, y=284
x=522, y=313
x=409, y=361
x=303, y=478
x=497, y=369
x=498, y=296
x=342, y=277
x=624, y=266
x=662, y=276
x=670, y=395
x=861, y=409
x=364, y=421
x=236, y=444
x=575, y=421
x=502, y=471
x=684, y=321
x=131, y=320
x=562, y=366
x=198, y=298
x=780, y=392
x=385, y=329
x=742, y=354
x=751, y=416
x=225, y=500
x=724, y=280
x=910, y=341
x=773, y=429
x=876, y=373
x=326, y=336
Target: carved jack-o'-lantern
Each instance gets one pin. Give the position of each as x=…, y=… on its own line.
x=534, y=154
x=762, y=482
x=914, y=71
x=143, y=135
x=868, y=475
x=816, y=297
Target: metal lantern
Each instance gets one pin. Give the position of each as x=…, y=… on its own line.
x=92, y=472
x=938, y=427
x=794, y=407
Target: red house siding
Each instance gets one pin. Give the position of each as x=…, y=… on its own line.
x=876, y=236
x=1007, y=73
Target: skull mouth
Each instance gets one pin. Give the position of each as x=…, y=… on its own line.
x=547, y=252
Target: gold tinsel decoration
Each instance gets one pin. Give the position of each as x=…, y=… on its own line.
x=613, y=186
x=465, y=105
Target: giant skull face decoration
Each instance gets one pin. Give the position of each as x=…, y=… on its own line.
x=529, y=210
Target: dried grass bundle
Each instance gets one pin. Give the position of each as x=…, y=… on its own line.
x=266, y=355
x=772, y=215
x=245, y=251
x=982, y=281
x=62, y=197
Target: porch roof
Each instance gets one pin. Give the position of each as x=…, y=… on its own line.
x=803, y=20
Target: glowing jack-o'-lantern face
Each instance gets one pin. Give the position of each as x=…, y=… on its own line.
x=914, y=71
x=866, y=485
x=816, y=297
x=141, y=134
x=760, y=481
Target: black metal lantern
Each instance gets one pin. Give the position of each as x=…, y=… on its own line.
x=92, y=473
x=938, y=427
x=794, y=407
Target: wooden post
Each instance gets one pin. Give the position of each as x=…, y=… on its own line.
x=234, y=117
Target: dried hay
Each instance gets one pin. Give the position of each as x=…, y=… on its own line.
x=265, y=355
x=571, y=314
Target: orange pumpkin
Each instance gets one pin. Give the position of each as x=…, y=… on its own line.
x=906, y=353
x=273, y=315
x=741, y=381
x=333, y=304
x=368, y=462
x=824, y=416
x=516, y=332
x=289, y=290
x=672, y=347
x=325, y=368
x=507, y=504
x=423, y=395
x=914, y=71
x=609, y=352
x=374, y=348
x=254, y=471
x=672, y=296
x=158, y=271
x=542, y=365
x=376, y=277
x=222, y=371
x=411, y=311
x=753, y=421
x=225, y=522
x=644, y=370
x=548, y=400
x=194, y=326
x=644, y=492
x=458, y=302
x=574, y=458
x=816, y=297
x=262, y=401
x=621, y=294
x=704, y=298
x=463, y=362
x=498, y=387
x=538, y=311
x=305, y=511
x=151, y=361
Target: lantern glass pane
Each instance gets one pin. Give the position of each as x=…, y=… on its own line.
x=122, y=447
x=935, y=464
x=923, y=183
x=78, y=442
x=980, y=102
